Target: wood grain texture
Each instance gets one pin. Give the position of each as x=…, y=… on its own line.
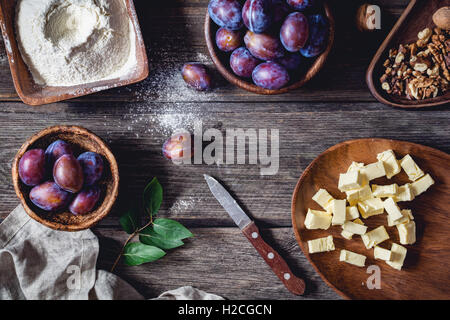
x=430, y=211
x=417, y=17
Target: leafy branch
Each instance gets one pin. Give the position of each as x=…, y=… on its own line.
x=155, y=236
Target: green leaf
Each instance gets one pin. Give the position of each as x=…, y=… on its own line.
x=130, y=221
x=137, y=253
x=153, y=195
x=170, y=229
x=150, y=237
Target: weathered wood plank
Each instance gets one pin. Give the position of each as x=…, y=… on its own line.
x=173, y=32
x=136, y=133
x=217, y=260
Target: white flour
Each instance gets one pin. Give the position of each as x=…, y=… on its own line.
x=71, y=42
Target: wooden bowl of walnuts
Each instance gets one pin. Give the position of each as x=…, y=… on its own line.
x=66, y=178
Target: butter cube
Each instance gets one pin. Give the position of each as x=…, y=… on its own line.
x=324, y=199
x=316, y=219
x=351, y=213
x=321, y=245
x=407, y=216
x=354, y=228
x=339, y=212
x=411, y=168
x=352, y=197
x=365, y=193
x=370, y=207
x=420, y=186
x=407, y=232
x=382, y=254
x=398, y=256
x=392, y=209
x=390, y=163
x=384, y=191
x=358, y=221
x=404, y=193
x=352, y=258
x=375, y=237
x=350, y=181
x=374, y=170
x=355, y=166
x=347, y=235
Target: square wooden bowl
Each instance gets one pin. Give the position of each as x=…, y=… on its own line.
x=34, y=94
x=81, y=140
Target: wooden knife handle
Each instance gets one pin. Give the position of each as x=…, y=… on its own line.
x=274, y=260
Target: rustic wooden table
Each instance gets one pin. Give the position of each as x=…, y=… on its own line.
x=135, y=121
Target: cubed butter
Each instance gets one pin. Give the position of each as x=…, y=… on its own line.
x=374, y=171
x=411, y=168
x=350, y=181
x=316, y=219
x=352, y=197
x=407, y=232
x=339, y=212
x=347, y=235
x=420, y=186
x=321, y=245
x=351, y=213
x=370, y=207
x=352, y=258
x=390, y=163
x=365, y=193
x=398, y=256
x=355, y=166
x=392, y=209
x=375, y=237
x=384, y=191
x=324, y=199
x=404, y=193
x=354, y=228
x=382, y=254
x=407, y=216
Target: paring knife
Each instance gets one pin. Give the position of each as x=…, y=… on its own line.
x=251, y=231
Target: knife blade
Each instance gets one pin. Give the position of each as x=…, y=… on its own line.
x=248, y=227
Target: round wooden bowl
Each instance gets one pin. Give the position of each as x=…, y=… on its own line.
x=81, y=140
x=221, y=60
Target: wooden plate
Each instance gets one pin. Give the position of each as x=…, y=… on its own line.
x=81, y=140
x=221, y=60
x=416, y=17
x=425, y=274
x=34, y=94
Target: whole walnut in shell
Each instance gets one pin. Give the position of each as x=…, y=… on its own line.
x=441, y=18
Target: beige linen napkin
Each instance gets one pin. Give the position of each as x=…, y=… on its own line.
x=37, y=262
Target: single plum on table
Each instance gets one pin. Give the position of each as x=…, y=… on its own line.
x=319, y=32
x=257, y=15
x=294, y=32
x=228, y=40
x=55, y=151
x=301, y=4
x=68, y=174
x=291, y=61
x=197, y=76
x=32, y=167
x=49, y=196
x=178, y=147
x=270, y=75
x=243, y=63
x=92, y=165
x=226, y=13
x=263, y=46
x=85, y=201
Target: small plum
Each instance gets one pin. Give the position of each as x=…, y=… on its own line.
x=92, y=165
x=291, y=61
x=85, y=201
x=257, y=15
x=178, y=147
x=55, y=151
x=263, y=46
x=226, y=13
x=32, y=167
x=68, y=173
x=319, y=29
x=301, y=4
x=197, y=76
x=228, y=40
x=242, y=62
x=294, y=32
x=270, y=75
x=49, y=196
